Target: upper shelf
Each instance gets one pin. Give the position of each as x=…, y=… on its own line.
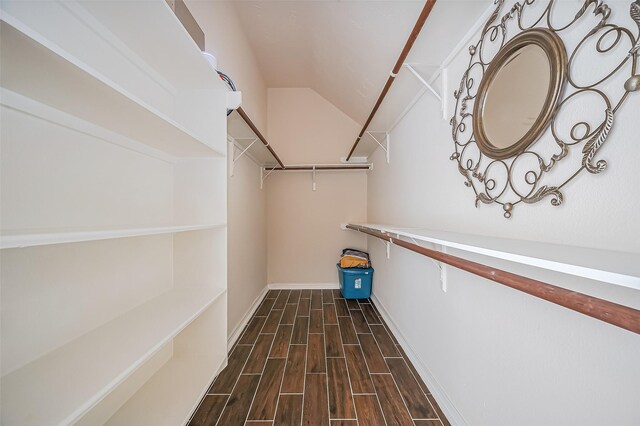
x=14, y=239
x=36, y=68
x=85, y=370
x=619, y=268
x=245, y=137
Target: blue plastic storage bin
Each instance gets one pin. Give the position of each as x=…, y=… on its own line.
x=355, y=283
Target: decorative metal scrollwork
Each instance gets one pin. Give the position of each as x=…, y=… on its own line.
x=532, y=174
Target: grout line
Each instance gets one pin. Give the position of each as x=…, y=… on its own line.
x=266, y=361
x=368, y=369
x=396, y=383
x=346, y=367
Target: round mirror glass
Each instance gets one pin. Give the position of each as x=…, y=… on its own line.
x=516, y=96
x=518, y=93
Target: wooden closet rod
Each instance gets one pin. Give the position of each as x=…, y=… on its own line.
x=612, y=313
x=426, y=10
x=255, y=130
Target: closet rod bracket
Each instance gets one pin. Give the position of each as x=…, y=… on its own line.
x=384, y=146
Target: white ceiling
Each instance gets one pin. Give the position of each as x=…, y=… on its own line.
x=344, y=50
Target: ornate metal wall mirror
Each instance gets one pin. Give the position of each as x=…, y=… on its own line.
x=515, y=117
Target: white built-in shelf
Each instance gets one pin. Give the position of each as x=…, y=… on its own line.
x=19, y=239
x=37, y=69
x=180, y=384
x=66, y=383
x=619, y=268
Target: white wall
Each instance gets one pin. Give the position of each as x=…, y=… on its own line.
x=247, y=243
x=246, y=215
x=305, y=240
x=495, y=356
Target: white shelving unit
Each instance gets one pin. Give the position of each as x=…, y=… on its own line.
x=113, y=233
x=607, y=266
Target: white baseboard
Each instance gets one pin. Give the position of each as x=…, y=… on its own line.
x=449, y=410
x=235, y=334
x=303, y=286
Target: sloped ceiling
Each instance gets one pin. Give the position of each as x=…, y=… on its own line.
x=344, y=50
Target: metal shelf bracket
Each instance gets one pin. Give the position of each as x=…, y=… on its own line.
x=423, y=81
x=264, y=176
x=384, y=146
x=233, y=158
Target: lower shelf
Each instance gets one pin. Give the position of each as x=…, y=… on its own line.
x=84, y=371
x=173, y=392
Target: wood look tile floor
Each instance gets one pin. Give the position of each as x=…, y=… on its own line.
x=310, y=357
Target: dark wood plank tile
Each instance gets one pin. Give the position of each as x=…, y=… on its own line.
x=427, y=422
x=237, y=408
x=226, y=380
x=359, y=322
x=316, y=406
x=441, y=415
x=316, y=323
x=358, y=373
x=390, y=333
x=375, y=308
x=387, y=347
x=316, y=299
x=370, y=314
x=253, y=329
x=315, y=354
x=330, y=316
x=265, y=307
x=333, y=341
x=264, y=403
x=306, y=294
x=300, y=330
x=395, y=412
x=280, y=347
x=337, y=294
x=289, y=314
x=294, y=296
x=423, y=386
x=352, y=304
x=259, y=354
x=416, y=401
x=289, y=411
x=372, y=354
x=340, y=398
x=341, y=308
x=209, y=410
x=271, y=324
x=327, y=296
x=344, y=423
x=272, y=294
x=368, y=409
x=258, y=423
x=303, y=308
x=281, y=301
x=347, y=331
x=294, y=372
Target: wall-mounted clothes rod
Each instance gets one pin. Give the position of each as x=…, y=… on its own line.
x=323, y=167
x=313, y=168
x=603, y=310
x=426, y=10
x=255, y=130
